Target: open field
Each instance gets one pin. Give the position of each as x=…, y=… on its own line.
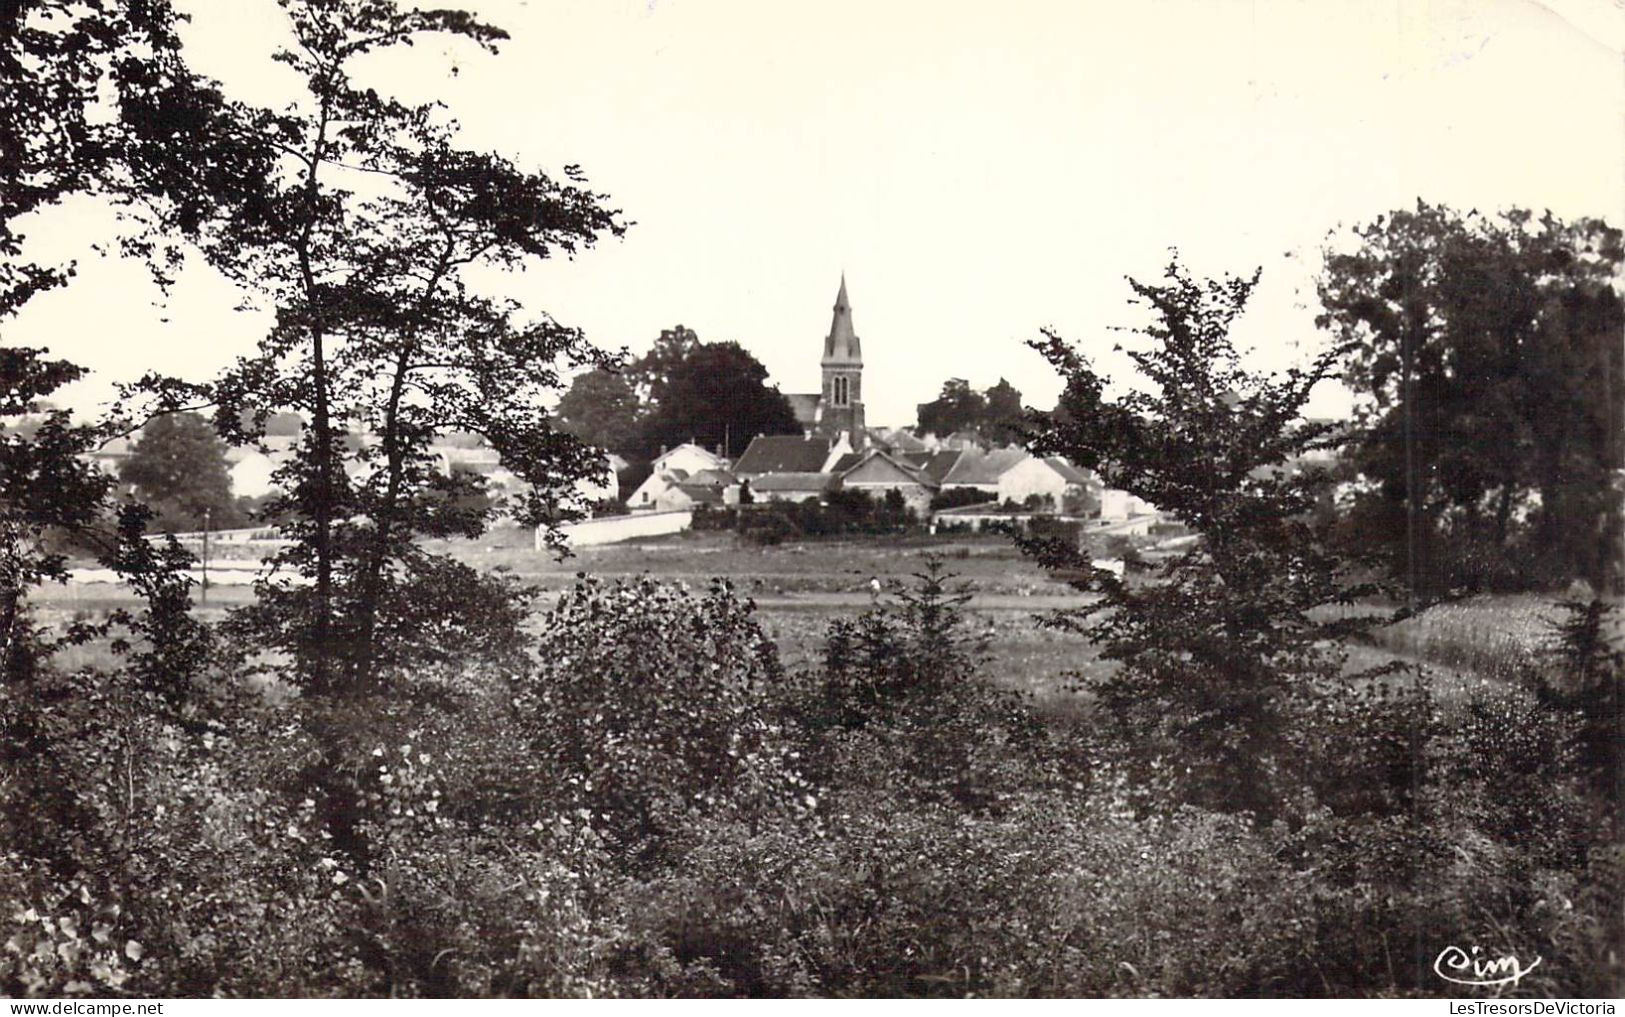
x=824, y=566
x=801, y=588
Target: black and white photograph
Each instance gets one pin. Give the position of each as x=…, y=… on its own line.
x=693, y=499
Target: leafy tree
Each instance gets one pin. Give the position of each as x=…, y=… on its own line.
x=601, y=409
x=651, y=373
x=1004, y=421
x=1488, y=350
x=958, y=408
x=1583, y=643
x=1224, y=646
x=48, y=486
x=45, y=483
x=65, y=66
x=361, y=233
x=178, y=467
x=716, y=394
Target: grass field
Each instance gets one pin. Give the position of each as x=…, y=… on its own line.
x=800, y=588
x=824, y=566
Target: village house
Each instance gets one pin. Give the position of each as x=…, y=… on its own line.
x=898, y=441
x=675, y=489
x=878, y=473
x=1015, y=475
x=683, y=477
x=689, y=457
x=1119, y=506
x=791, y=486
x=787, y=453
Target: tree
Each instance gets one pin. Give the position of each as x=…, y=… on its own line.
x=601, y=409
x=45, y=482
x=1488, y=352
x=715, y=394
x=1004, y=421
x=65, y=65
x=958, y=408
x=651, y=373
x=362, y=232
x=178, y=467
x=1223, y=646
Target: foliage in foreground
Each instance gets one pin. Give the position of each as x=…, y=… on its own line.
x=648, y=805
x=1229, y=663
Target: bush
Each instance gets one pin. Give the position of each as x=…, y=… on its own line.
x=649, y=705
x=955, y=497
x=841, y=513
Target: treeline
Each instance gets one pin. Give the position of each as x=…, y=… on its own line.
x=715, y=394
x=838, y=513
x=1489, y=442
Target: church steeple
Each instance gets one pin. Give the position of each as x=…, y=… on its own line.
x=841, y=346
x=840, y=409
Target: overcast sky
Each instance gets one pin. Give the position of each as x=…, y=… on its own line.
x=977, y=170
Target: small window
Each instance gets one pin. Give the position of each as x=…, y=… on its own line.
x=841, y=394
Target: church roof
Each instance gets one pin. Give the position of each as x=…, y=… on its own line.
x=783, y=453
x=805, y=406
x=841, y=346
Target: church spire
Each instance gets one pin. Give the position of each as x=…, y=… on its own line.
x=841, y=345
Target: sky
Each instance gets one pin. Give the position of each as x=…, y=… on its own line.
x=978, y=171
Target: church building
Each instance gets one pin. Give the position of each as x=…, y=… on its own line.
x=838, y=410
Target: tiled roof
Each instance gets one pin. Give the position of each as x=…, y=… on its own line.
x=783, y=453
x=692, y=448
x=712, y=478
x=939, y=463
x=846, y=462
x=1072, y=474
x=808, y=481
x=977, y=467
x=908, y=470
x=702, y=493
x=900, y=440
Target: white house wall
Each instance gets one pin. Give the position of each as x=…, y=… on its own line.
x=689, y=458
x=1029, y=477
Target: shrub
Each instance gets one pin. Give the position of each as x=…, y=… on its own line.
x=954, y=497
x=648, y=705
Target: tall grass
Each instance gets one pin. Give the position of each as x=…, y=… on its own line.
x=1502, y=638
